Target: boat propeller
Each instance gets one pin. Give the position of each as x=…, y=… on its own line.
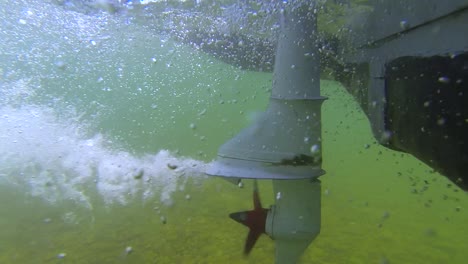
x=254, y=219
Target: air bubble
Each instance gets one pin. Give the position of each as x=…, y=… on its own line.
x=315, y=149
x=240, y=184
x=385, y=215
x=444, y=79
x=404, y=24
x=278, y=195
x=202, y=112
x=128, y=250
x=386, y=135
x=441, y=121
x=61, y=65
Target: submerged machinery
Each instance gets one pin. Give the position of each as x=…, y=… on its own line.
x=404, y=62
x=284, y=144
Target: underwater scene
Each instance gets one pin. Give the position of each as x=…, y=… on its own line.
x=109, y=119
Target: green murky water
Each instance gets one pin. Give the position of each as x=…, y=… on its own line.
x=94, y=108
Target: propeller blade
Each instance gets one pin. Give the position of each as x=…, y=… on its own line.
x=254, y=219
x=252, y=238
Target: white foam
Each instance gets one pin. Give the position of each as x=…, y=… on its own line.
x=52, y=159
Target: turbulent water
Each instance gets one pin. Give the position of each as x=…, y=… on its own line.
x=53, y=161
x=106, y=126
x=63, y=75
